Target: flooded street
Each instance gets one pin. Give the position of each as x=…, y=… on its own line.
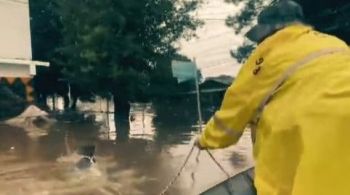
x=109, y=97
x=45, y=163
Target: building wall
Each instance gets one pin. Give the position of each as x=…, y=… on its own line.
x=15, y=70
x=15, y=36
x=15, y=44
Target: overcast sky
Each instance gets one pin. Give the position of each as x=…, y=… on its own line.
x=211, y=49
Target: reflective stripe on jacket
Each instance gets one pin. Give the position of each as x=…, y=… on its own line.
x=303, y=136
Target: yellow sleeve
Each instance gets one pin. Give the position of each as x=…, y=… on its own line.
x=227, y=125
x=238, y=107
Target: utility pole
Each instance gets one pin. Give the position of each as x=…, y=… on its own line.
x=199, y=109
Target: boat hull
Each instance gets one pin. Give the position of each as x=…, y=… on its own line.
x=240, y=184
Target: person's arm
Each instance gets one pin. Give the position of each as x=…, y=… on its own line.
x=227, y=125
x=237, y=109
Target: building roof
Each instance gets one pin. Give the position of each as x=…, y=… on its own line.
x=19, y=68
x=223, y=79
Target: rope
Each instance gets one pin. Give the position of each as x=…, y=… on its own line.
x=193, y=146
x=201, y=129
x=218, y=164
x=228, y=186
x=171, y=183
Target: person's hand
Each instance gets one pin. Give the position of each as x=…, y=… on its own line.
x=197, y=143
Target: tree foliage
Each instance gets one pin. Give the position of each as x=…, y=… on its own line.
x=329, y=16
x=240, y=21
x=113, y=46
x=246, y=16
x=243, y=51
x=46, y=38
x=107, y=46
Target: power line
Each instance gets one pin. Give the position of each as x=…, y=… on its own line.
x=213, y=19
x=215, y=36
x=216, y=49
x=217, y=65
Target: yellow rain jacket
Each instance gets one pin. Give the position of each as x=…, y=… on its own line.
x=302, y=143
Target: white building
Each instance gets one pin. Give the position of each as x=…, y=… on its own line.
x=15, y=48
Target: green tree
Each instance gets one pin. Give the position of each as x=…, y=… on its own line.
x=162, y=82
x=242, y=20
x=328, y=16
x=46, y=38
x=243, y=51
x=111, y=47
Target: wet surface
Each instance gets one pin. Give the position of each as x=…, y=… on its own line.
x=44, y=162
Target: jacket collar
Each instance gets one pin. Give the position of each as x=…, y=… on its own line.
x=282, y=37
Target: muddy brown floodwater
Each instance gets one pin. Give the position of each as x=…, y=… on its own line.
x=43, y=163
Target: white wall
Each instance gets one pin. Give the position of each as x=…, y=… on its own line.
x=15, y=40
x=15, y=70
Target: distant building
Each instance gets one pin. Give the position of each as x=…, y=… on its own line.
x=216, y=84
x=16, y=65
x=212, y=92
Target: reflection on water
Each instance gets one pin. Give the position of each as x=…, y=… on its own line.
x=142, y=165
x=141, y=121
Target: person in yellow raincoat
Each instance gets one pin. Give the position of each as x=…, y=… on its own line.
x=294, y=91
